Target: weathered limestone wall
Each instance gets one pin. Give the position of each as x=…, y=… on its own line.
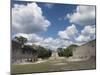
x=85, y=51
x=18, y=56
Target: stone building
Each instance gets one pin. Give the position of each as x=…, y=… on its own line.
x=85, y=51
x=25, y=54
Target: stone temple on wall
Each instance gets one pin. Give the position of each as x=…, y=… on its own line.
x=55, y=56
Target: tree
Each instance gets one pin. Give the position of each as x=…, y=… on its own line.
x=43, y=52
x=28, y=49
x=60, y=52
x=67, y=52
x=21, y=39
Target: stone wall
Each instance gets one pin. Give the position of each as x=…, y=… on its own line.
x=85, y=51
x=20, y=55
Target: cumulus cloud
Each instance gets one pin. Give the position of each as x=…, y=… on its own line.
x=49, y=5
x=83, y=15
x=87, y=34
x=32, y=38
x=54, y=43
x=88, y=30
x=82, y=38
x=48, y=42
x=28, y=19
x=20, y=34
x=69, y=32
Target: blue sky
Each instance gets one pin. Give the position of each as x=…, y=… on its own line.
x=53, y=14
x=54, y=22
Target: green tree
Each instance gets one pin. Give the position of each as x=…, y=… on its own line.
x=60, y=52
x=21, y=39
x=67, y=52
x=43, y=52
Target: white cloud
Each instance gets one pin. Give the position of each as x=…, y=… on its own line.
x=88, y=30
x=32, y=38
x=83, y=15
x=20, y=34
x=87, y=34
x=69, y=33
x=49, y=5
x=82, y=38
x=54, y=43
x=48, y=42
x=28, y=19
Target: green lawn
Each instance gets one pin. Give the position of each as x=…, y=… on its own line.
x=50, y=66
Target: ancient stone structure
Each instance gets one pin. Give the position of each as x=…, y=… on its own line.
x=25, y=54
x=85, y=51
x=55, y=56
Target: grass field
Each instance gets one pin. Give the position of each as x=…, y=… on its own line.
x=50, y=66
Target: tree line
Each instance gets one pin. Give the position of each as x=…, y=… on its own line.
x=66, y=52
x=42, y=52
